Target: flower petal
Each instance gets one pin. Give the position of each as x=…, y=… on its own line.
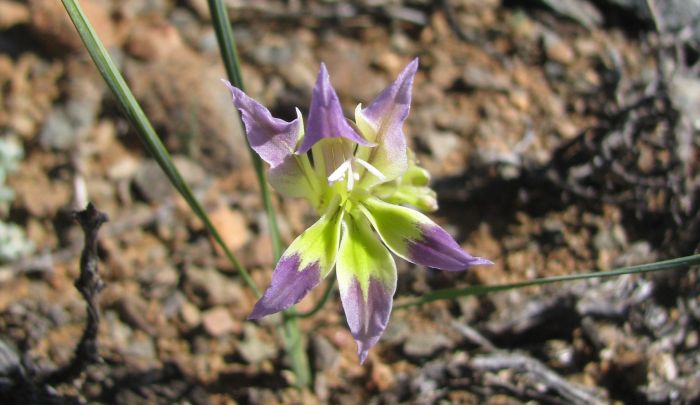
x=272, y=138
x=367, y=279
x=295, y=178
x=326, y=119
x=414, y=237
x=412, y=188
x=382, y=123
x=303, y=265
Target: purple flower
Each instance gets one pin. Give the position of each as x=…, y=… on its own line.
x=360, y=176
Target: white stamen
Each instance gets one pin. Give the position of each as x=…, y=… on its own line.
x=339, y=172
x=351, y=177
x=371, y=169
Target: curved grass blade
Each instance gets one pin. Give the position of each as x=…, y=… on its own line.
x=143, y=127
x=451, y=293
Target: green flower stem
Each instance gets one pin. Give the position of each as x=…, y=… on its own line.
x=229, y=54
x=289, y=329
x=326, y=295
x=451, y=293
x=294, y=346
x=143, y=127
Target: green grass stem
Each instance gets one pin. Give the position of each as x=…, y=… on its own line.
x=144, y=129
x=451, y=293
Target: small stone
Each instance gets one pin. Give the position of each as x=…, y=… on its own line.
x=141, y=345
x=190, y=314
x=218, y=322
x=685, y=93
x=133, y=310
x=154, y=185
x=443, y=72
x=151, y=182
x=481, y=77
x=382, y=376
x=276, y=54
x=582, y=12
x=325, y=355
x=558, y=50
x=12, y=13
x=397, y=331
x=201, y=8
x=691, y=340
x=50, y=23
x=425, y=344
x=232, y=226
x=58, y=131
x=253, y=349
x=124, y=168
x=153, y=41
x=520, y=99
x=442, y=144
x=390, y=63
x=9, y=360
x=208, y=287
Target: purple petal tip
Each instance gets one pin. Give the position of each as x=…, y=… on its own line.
x=288, y=286
x=326, y=119
x=367, y=319
x=436, y=248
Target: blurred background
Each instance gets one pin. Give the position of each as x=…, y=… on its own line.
x=561, y=136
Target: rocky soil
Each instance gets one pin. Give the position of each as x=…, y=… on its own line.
x=562, y=136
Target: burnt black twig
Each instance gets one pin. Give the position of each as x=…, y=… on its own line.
x=89, y=284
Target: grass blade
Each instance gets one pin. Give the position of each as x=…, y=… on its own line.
x=229, y=54
x=289, y=329
x=451, y=293
x=142, y=125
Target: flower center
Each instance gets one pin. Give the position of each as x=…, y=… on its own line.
x=346, y=171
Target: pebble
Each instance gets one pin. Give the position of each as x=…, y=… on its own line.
x=208, y=287
x=58, y=131
x=442, y=144
x=190, y=315
x=50, y=23
x=685, y=93
x=133, y=310
x=232, y=226
x=582, y=12
x=9, y=360
x=382, y=376
x=218, y=322
x=12, y=14
x=156, y=41
x=325, y=355
x=253, y=349
x=482, y=77
x=425, y=344
x=155, y=186
x=558, y=50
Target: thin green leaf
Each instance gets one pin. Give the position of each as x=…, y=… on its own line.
x=290, y=326
x=142, y=125
x=229, y=54
x=451, y=293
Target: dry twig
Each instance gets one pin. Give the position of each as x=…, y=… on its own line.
x=89, y=284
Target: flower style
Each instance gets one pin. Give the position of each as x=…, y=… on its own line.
x=356, y=175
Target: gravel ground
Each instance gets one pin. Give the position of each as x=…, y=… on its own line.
x=561, y=136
